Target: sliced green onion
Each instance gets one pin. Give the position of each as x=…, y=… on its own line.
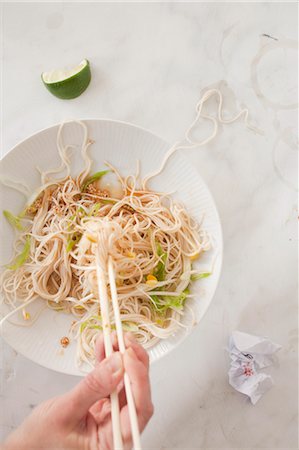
x=162, y=303
x=22, y=257
x=95, y=317
x=72, y=240
x=15, y=221
x=81, y=212
x=83, y=325
x=177, y=301
x=92, y=179
x=130, y=326
x=107, y=201
x=157, y=301
x=70, y=245
x=198, y=276
x=71, y=225
x=95, y=209
x=89, y=325
x=159, y=271
x=93, y=326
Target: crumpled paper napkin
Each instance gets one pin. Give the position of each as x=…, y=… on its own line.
x=248, y=354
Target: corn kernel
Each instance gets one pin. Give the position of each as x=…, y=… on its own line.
x=194, y=256
x=26, y=315
x=151, y=277
x=152, y=283
x=92, y=238
x=131, y=255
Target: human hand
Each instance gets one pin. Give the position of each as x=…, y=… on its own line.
x=81, y=419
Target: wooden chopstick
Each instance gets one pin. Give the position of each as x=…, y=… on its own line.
x=122, y=348
x=104, y=304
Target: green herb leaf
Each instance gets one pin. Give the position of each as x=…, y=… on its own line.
x=198, y=276
x=15, y=221
x=93, y=178
x=22, y=257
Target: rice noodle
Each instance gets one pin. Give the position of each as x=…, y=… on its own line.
x=189, y=143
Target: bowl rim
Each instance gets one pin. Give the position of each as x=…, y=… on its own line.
x=88, y=119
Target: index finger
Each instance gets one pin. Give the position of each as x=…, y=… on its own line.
x=140, y=383
x=130, y=341
x=99, y=349
x=140, y=352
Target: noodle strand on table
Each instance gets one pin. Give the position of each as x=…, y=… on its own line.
x=190, y=143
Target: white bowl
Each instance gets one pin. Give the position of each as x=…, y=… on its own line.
x=121, y=144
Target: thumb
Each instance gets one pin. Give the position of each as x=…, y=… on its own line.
x=96, y=385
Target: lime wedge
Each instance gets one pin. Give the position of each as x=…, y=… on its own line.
x=68, y=84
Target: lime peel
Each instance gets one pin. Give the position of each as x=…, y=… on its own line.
x=68, y=84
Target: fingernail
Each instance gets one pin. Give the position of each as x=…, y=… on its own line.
x=115, y=362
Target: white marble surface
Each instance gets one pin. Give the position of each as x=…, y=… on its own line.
x=150, y=62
